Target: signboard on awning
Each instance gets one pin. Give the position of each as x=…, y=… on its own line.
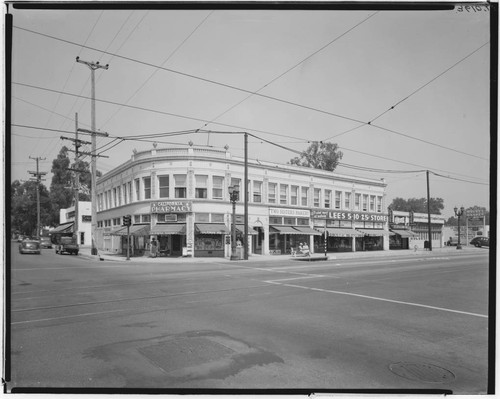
x=168, y=229
x=212, y=228
x=135, y=230
x=63, y=228
x=241, y=229
x=405, y=233
x=284, y=230
x=307, y=230
x=338, y=232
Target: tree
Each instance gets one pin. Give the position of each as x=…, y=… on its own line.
x=418, y=205
x=23, y=212
x=319, y=155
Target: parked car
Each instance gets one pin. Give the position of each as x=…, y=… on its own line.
x=453, y=241
x=480, y=241
x=45, y=242
x=30, y=247
x=20, y=238
x=66, y=244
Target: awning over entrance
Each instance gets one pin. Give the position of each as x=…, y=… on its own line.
x=307, y=230
x=405, y=233
x=168, y=229
x=284, y=230
x=241, y=229
x=135, y=230
x=212, y=228
x=338, y=232
x=375, y=232
x=63, y=228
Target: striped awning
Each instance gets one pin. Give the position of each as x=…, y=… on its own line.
x=375, y=232
x=135, y=230
x=405, y=233
x=307, y=230
x=284, y=230
x=168, y=229
x=212, y=228
x=241, y=229
x=63, y=228
x=339, y=232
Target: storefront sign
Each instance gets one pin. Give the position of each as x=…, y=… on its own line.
x=354, y=216
x=171, y=207
x=304, y=213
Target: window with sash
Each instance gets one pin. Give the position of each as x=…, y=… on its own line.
x=257, y=191
x=338, y=199
x=372, y=203
x=294, y=195
x=164, y=183
x=147, y=187
x=283, y=194
x=328, y=198
x=317, y=197
x=347, y=199
x=379, y=204
x=272, y=193
x=180, y=186
x=217, y=186
x=201, y=186
x=304, y=195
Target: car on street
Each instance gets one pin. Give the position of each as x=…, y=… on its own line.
x=30, y=247
x=45, y=242
x=453, y=241
x=20, y=238
x=480, y=241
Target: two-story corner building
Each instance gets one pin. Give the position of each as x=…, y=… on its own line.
x=67, y=221
x=412, y=229
x=180, y=198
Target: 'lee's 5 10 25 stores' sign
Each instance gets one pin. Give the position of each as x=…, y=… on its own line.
x=171, y=207
x=354, y=216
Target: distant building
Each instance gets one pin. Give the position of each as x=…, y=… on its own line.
x=67, y=219
x=412, y=229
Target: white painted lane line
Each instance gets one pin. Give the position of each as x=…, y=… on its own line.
x=300, y=278
x=380, y=299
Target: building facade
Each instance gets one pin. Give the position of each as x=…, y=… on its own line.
x=67, y=220
x=180, y=199
x=411, y=229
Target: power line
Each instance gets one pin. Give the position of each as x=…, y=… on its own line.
x=462, y=180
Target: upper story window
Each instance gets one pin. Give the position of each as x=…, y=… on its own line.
x=372, y=203
x=338, y=199
x=257, y=191
x=124, y=189
x=201, y=186
x=357, y=202
x=317, y=197
x=130, y=191
x=328, y=198
x=180, y=186
x=217, y=185
x=164, y=183
x=304, y=195
x=379, y=204
x=272, y=193
x=365, y=202
x=137, y=190
x=147, y=187
x=119, y=194
x=283, y=194
x=115, y=201
x=347, y=199
x=294, y=195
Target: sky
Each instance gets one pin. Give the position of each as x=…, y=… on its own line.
x=400, y=92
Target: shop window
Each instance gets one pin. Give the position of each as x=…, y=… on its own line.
x=283, y=194
x=217, y=218
x=180, y=186
x=146, y=218
x=217, y=186
x=272, y=193
x=275, y=220
x=137, y=218
x=304, y=195
x=137, y=190
x=347, y=200
x=290, y=221
x=147, y=187
x=202, y=217
x=338, y=199
x=328, y=198
x=257, y=191
x=372, y=203
x=317, y=197
x=379, y=204
x=164, y=183
x=365, y=202
x=201, y=186
x=302, y=222
x=294, y=195
x=181, y=217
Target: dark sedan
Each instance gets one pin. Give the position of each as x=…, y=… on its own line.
x=30, y=247
x=480, y=241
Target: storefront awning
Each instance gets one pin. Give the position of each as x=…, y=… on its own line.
x=212, y=228
x=168, y=229
x=285, y=230
x=241, y=229
x=375, y=232
x=405, y=233
x=135, y=230
x=307, y=230
x=339, y=232
x=63, y=228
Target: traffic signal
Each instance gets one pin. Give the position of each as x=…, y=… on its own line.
x=127, y=220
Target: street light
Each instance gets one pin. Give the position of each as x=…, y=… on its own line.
x=234, y=192
x=459, y=212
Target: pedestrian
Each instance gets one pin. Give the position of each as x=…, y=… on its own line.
x=305, y=249
x=154, y=248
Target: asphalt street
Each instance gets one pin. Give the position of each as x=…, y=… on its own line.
x=395, y=323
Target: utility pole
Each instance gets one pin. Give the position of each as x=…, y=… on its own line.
x=429, y=229
x=245, y=249
x=93, y=66
x=38, y=176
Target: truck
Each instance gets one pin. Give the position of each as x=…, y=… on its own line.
x=66, y=244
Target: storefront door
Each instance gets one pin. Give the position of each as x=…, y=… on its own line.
x=176, y=245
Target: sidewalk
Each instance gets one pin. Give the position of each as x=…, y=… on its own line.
x=106, y=256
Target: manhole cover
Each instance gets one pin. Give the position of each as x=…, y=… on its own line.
x=422, y=372
x=180, y=353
